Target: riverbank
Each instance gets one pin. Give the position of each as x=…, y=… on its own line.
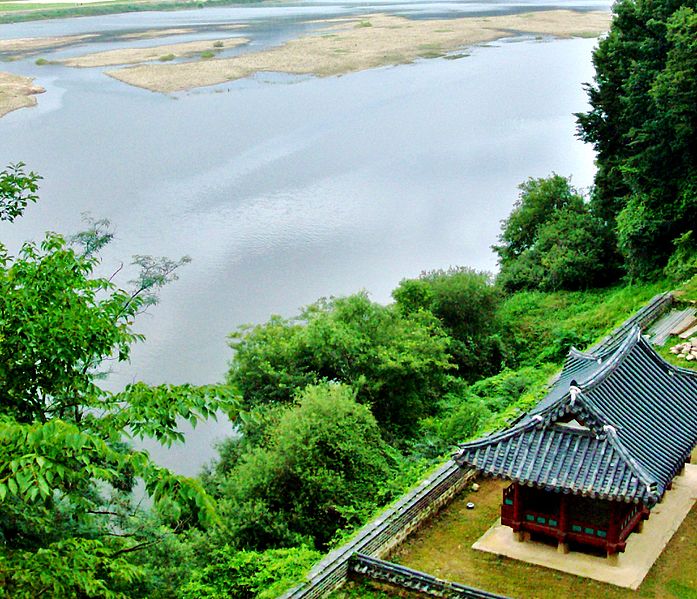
x=14, y=12
x=365, y=42
x=17, y=92
x=33, y=44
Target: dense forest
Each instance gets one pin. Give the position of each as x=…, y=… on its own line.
x=342, y=408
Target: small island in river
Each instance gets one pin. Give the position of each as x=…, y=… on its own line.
x=16, y=92
x=341, y=45
x=365, y=42
x=163, y=53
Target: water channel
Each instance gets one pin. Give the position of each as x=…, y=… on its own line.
x=285, y=189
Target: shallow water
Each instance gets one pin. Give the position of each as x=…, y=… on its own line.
x=285, y=189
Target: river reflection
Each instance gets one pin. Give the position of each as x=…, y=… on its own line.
x=285, y=189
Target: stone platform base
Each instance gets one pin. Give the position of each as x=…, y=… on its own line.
x=629, y=568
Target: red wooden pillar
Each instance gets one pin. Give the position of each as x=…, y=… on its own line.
x=563, y=518
x=613, y=531
x=562, y=545
x=518, y=531
x=517, y=507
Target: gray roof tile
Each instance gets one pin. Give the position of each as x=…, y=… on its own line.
x=641, y=419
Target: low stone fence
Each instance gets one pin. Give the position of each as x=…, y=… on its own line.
x=413, y=580
x=380, y=536
x=642, y=318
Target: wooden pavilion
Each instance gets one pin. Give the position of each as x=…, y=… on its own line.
x=589, y=462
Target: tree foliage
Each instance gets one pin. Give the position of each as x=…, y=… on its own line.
x=396, y=365
x=642, y=124
x=17, y=189
x=552, y=241
x=250, y=574
x=68, y=524
x=465, y=302
x=315, y=475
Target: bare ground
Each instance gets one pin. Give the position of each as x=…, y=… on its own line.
x=28, y=44
x=136, y=55
x=362, y=43
x=17, y=92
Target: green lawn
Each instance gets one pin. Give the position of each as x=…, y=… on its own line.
x=15, y=6
x=443, y=548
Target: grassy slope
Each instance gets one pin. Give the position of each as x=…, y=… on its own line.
x=540, y=327
x=543, y=326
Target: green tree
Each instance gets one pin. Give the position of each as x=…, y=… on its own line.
x=250, y=574
x=538, y=201
x=316, y=475
x=642, y=124
x=68, y=525
x=573, y=249
x=552, y=241
x=17, y=189
x=396, y=365
x=465, y=302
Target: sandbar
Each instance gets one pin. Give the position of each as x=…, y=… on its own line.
x=25, y=44
x=154, y=33
x=364, y=42
x=135, y=55
x=16, y=92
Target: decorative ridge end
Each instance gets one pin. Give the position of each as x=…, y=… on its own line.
x=574, y=391
x=608, y=428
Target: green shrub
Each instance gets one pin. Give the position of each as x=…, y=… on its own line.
x=464, y=422
x=500, y=391
x=551, y=240
x=207, y=54
x=166, y=57
x=396, y=364
x=682, y=265
x=465, y=302
x=250, y=574
x=316, y=476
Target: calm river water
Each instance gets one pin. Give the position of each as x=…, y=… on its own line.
x=285, y=189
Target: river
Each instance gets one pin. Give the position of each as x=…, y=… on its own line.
x=284, y=189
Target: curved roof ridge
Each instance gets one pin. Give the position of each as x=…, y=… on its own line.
x=501, y=435
x=605, y=368
x=582, y=354
x=569, y=399
x=541, y=418
x=663, y=362
x=590, y=405
x=637, y=469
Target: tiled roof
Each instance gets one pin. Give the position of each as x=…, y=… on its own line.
x=640, y=425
